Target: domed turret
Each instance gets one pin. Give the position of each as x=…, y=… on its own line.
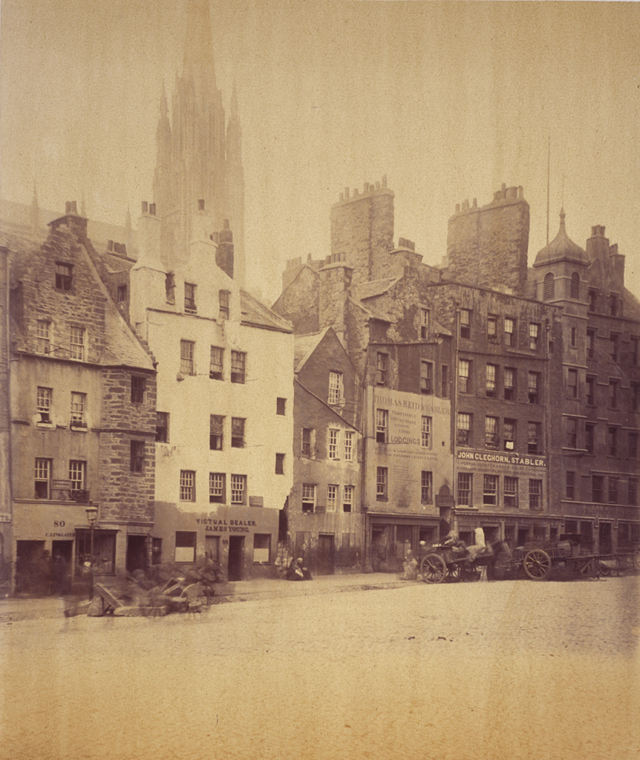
x=561, y=248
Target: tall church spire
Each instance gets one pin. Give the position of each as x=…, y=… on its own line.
x=198, y=153
x=198, y=49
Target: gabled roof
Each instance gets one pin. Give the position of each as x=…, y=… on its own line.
x=255, y=313
x=121, y=346
x=304, y=346
x=377, y=287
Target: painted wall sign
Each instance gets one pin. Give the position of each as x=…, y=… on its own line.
x=508, y=459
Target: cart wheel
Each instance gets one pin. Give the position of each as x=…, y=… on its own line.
x=536, y=564
x=433, y=569
x=454, y=573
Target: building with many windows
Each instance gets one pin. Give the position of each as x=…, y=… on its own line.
x=324, y=525
x=527, y=377
x=223, y=435
x=82, y=409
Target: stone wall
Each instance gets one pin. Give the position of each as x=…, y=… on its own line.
x=82, y=306
x=362, y=228
x=126, y=495
x=487, y=246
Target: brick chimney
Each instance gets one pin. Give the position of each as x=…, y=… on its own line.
x=334, y=289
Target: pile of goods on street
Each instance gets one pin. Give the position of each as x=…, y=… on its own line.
x=170, y=589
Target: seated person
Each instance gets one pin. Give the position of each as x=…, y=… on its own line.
x=297, y=571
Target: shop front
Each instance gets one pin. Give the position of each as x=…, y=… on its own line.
x=604, y=529
x=56, y=549
x=515, y=529
x=241, y=541
x=391, y=536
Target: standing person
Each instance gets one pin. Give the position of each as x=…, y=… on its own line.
x=59, y=575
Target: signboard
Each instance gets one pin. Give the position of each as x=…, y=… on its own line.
x=61, y=485
x=511, y=460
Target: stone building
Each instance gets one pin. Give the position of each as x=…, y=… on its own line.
x=82, y=404
x=224, y=405
x=324, y=525
x=596, y=394
x=506, y=352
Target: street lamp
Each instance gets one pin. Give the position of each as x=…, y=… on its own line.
x=92, y=517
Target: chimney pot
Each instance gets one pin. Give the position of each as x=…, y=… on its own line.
x=152, y=209
x=225, y=224
x=200, y=204
x=145, y=207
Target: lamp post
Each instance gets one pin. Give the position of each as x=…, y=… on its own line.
x=92, y=517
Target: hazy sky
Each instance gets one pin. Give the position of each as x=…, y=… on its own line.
x=449, y=100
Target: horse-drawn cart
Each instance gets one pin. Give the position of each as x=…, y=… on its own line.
x=453, y=561
x=445, y=561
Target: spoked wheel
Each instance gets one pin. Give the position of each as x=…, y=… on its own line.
x=454, y=573
x=433, y=569
x=536, y=564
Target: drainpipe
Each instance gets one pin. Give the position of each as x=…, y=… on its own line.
x=453, y=426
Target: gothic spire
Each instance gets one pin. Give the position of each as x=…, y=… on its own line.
x=198, y=47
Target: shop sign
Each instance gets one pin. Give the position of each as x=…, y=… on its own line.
x=5, y=517
x=213, y=525
x=61, y=485
x=590, y=510
x=508, y=459
x=58, y=532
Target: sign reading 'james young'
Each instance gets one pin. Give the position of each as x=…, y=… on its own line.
x=510, y=459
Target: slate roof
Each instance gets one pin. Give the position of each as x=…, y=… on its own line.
x=255, y=313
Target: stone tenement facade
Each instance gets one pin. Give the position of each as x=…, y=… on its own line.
x=83, y=419
x=487, y=246
x=536, y=369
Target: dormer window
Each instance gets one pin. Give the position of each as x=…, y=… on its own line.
x=190, y=298
x=64, y=276
x=223, y=300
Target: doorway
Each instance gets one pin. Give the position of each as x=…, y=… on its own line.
x=32, y=568
x=137, y=558
x=236, y=557
x=605, y=545
x=326, y=548
x=523, y=536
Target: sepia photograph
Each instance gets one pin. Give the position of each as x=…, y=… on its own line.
x=319, y=380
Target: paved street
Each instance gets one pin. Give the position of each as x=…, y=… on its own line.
x=512, y=670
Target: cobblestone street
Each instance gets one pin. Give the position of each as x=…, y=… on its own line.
x=512, y=670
